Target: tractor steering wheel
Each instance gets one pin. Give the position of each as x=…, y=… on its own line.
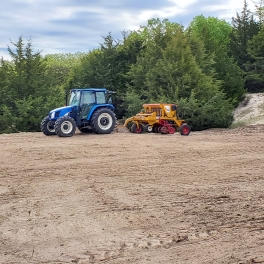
x=83, y=106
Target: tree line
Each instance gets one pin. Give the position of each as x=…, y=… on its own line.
x=205, y=68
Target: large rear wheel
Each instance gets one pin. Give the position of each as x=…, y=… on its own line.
x=103, y=121
x=47, y=127
x=65, y=126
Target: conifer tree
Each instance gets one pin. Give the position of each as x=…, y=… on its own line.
x=215, y=34
x=244, y=28
x=259, y=5
x=255, y=74
x=27, y=93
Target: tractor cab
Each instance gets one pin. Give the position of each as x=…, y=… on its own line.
x=85, y=100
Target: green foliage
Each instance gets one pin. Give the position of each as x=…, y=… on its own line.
x=60, y=65
x=27, y=93
x=244, y=29
x=213, y=113
x=133, y=103
x=216, y=36
x=214, y=32
x=170, y=72
x=259, y=5
x=255, y=69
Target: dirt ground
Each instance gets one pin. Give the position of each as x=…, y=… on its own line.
x=125, y=198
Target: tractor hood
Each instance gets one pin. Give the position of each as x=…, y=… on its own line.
x=58, y=112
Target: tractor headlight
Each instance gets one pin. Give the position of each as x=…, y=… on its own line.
x=52, y=115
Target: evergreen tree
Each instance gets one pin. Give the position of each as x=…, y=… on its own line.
x=170, y=72
x=215, y=34
x=27, y=94
x=259, y=10
x=60, y=66
x=244, y=28
x=256, y=69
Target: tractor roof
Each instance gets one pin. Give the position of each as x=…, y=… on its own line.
x=93, y=89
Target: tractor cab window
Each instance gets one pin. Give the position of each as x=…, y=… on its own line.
x=86, y=104
x=100, y=97
x=108, y=98
x=75, y=98
x=87, y=98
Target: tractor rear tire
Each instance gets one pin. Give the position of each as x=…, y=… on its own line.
x=103, y=121
x=47, y=127
x=137, y=130
x=185, y=130
x=65, y=126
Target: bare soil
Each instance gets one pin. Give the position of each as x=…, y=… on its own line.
x=126, y=198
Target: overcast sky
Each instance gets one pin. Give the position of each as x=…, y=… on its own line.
x=69, y=26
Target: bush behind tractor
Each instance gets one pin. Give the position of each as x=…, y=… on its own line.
x=158, y=118
x=89, y=109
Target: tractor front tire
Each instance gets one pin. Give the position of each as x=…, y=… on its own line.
x=185, y=130
x=103, y=121
x=65, y=126
x=47, y=127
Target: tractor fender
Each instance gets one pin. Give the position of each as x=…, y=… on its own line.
x=96, y=107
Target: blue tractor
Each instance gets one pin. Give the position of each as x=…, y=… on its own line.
x=89, y=109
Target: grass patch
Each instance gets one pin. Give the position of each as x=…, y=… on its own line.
x=255, y=118
x=244, y=113
x=237, y=124
x=247, y=122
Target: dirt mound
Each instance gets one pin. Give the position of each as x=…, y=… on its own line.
x=250, y=111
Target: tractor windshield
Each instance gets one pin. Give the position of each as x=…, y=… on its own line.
x=75, y=98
